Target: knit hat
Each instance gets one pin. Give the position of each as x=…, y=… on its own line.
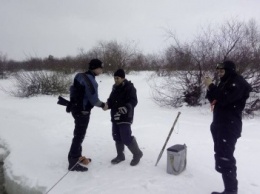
x=120, y=73
x=94, y=64
x=227, y=65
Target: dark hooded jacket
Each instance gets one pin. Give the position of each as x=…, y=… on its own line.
x=84, y=92
x=123, y=95
x=229, y=98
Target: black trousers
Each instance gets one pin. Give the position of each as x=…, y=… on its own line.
x=81, y=125
x=122, y=133
x=225, y=163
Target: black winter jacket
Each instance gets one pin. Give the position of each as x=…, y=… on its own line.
x=84, y=92
x=123, y=95
x=230, y=98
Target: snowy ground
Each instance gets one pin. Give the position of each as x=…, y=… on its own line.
x=37, y=133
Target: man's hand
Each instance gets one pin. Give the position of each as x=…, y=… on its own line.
x=207, y=81
x=105, y=107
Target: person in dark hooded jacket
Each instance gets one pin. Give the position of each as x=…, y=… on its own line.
x=228, y=100
x=122, y=102
x=83, y=97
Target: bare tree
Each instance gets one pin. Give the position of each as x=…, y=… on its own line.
x=233, y=40
x=115, y=55
x=3, y=63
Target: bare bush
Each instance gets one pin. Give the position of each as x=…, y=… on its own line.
x=29, y=84
x=234, y=40
x=174, y=89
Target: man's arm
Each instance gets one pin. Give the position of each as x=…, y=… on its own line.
x=91, y=90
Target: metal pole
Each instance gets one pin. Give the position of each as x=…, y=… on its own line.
x=63, y=177
x=160, y=155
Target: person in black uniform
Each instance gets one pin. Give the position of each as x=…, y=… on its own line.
x=122, y=102
x=228, y=100
x=83, y=97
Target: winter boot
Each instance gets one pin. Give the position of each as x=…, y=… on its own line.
x=120, y=153
x=230, y=181
x=75, y=166
x=225, y=192
x=78, y=168
x=137, y=153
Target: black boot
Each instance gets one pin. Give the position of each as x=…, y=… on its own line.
x=230, y=182
x=137, y=153
x=120, y=153
x=75, y=166
x=225, y=192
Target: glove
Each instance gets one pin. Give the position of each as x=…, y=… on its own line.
x=122, y=110
x=207, y=81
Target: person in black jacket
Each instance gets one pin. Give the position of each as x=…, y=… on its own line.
x=122, y=102
x=83, y=97
x=228, y=100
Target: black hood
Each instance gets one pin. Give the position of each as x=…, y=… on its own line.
x=230, y=69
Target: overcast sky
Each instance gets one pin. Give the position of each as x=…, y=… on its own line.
x=38, y=28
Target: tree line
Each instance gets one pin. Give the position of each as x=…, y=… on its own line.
x=181, y=66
